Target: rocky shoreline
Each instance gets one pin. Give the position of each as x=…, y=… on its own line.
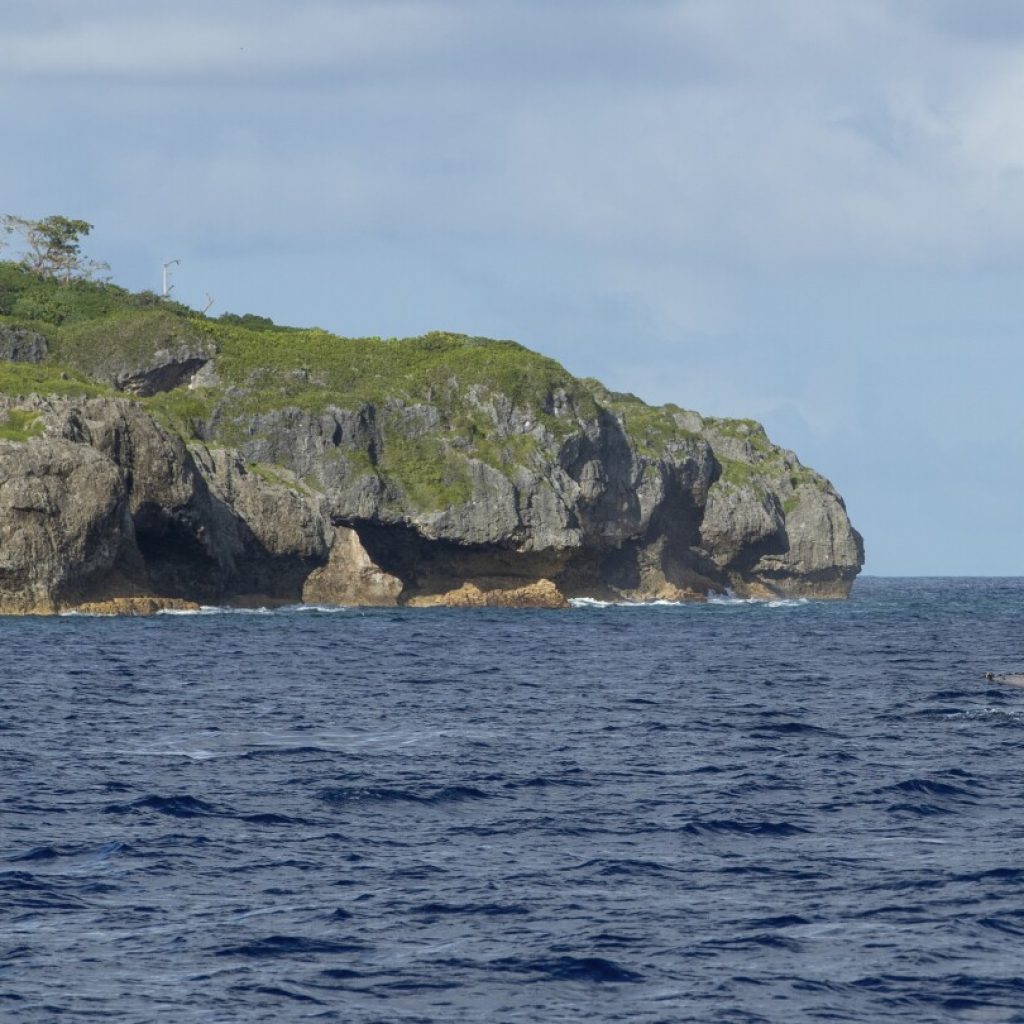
x=106, y=507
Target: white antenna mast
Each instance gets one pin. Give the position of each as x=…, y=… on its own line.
x=169, y=263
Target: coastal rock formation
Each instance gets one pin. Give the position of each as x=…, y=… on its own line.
x=350, y=576
x=64, y=523
x=141, y=353
x=495, y=593
x=153, y=457
x=107, y=503
x=134, y=606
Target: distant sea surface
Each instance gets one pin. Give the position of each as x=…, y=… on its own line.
x=730, y=812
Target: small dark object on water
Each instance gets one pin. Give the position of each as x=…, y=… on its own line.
x=1010, y=679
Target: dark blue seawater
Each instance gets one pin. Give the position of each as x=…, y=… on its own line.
x=732, y=812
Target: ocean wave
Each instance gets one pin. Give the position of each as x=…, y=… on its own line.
x=341, y=795
x=928, y=787
x=746, y=828
x=193, y=754
x=324, y=609
x=183, y=806
x=288, y=945
x=464, y=909
x=76, y=851
x=568, y=968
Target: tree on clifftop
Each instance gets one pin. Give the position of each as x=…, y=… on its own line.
x=53, y=246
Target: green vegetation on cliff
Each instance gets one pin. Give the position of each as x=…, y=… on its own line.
x=497, y=401
x=19, y=425
x=19, y=380
x=655, y=429
x=313, y=369
x=46, y=304
x=126, y=338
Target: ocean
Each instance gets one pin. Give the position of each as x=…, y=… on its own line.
x=734, y=812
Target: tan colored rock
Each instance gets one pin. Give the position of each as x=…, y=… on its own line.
x=350, y=576
x=132, y=606
x=494, y=593
x=664, y=592
x=755, y=590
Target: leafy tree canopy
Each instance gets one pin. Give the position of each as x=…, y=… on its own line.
x=52, y=247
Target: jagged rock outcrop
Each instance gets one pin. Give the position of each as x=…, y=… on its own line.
x=108, y=504
x=134, y=606
x=495, y=593
x=142, y=354
x=65, y=528
x=351, y=576
x=18, y=345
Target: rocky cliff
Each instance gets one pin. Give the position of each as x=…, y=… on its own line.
x=150, y=456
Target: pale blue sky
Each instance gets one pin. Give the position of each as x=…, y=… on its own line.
x=806, y=211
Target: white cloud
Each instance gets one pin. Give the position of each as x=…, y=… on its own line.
x=225, y=41
x=766, y=135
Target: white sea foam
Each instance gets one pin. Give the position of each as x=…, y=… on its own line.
x=192, y=755
x=326, y=609
x=992, y=714
x=760, y=602
x=205, y=610
x=211, y=609
x=715, y=599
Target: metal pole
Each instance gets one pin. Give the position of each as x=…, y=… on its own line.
x=169, y=263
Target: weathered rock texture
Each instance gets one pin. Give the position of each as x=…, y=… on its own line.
x=18, y=345
x=64, y=523
x=350, y=576
x=463, y=496
x=495, y=593
x=108, y=504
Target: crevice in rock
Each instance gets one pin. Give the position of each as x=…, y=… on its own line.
x=161, y=378
x=425, y=564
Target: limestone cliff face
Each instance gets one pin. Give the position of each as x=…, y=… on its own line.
x=590, y=505
x=21, y=345
x=397, y=501
x=64, y=523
